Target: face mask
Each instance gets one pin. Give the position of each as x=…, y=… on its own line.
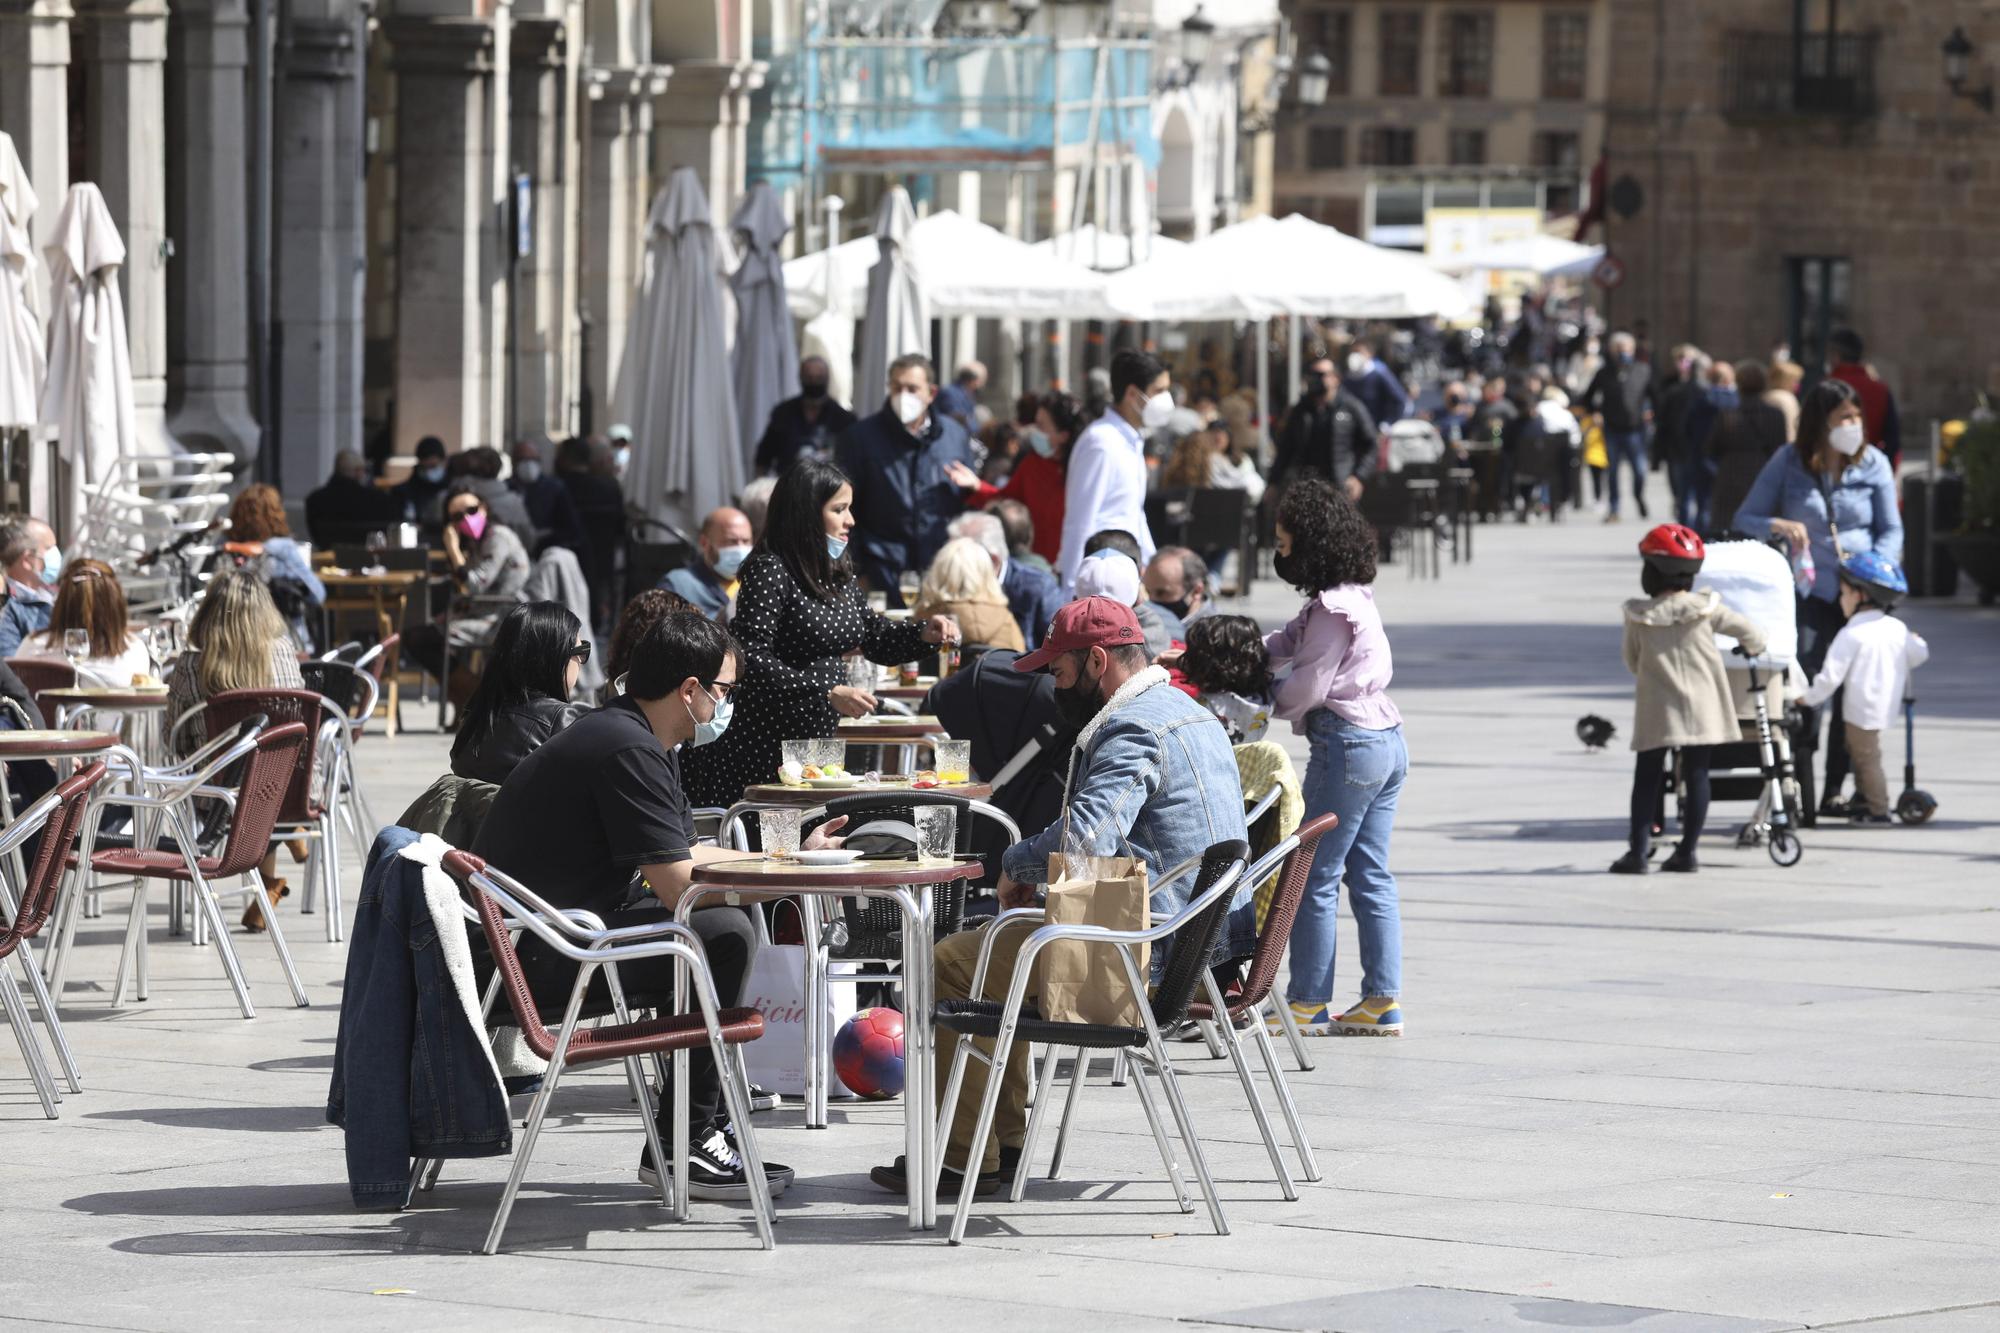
x=718, y=722
x=1357, y=364
x=813, y=389
x=621, y=457
x=1288, y=568
x=1321, y=390
x=730, y=559
x=1847, y=438
x=910, y=408
x=836, y=547
x=1039, y=442
x=1158, y=411
x=1180, y=608
x=529, y=471
x=1078, y=704
x=52, y=563
x=473, y=524
x=433, y=475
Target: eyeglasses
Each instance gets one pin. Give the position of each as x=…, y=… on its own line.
x=580, y=653
x=728, y=688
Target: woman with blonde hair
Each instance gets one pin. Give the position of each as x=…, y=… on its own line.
x=961, y=583
x=90, y=600
x=237, y=641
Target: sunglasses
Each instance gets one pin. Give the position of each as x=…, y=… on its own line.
x=580, y=653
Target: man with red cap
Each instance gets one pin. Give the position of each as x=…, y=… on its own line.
x=1152, y=775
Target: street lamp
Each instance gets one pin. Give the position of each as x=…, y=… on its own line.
x=1315, y=79
x=1958, y=52
x=1197, y=33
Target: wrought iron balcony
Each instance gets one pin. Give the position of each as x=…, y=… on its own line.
x=1782, y=75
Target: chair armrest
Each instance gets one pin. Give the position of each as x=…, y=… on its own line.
x=992, y=933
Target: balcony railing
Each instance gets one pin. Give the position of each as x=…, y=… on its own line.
x=1781, y=74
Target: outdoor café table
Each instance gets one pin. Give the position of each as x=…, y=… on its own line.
x=907, y=693
x=145, y=708
x=891, y=731
x=909, y=884
x=387, y=594
x=805, y=797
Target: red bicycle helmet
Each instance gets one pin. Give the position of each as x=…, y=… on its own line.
x=1673, y=549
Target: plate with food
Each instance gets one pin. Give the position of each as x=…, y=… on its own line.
x=841, y=780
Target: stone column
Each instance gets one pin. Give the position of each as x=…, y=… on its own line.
x=614, y=217
x=451, y=161
x=209, y=323
x=318, y=254
x=543, y=301
x=127, y=49
x=34, y=97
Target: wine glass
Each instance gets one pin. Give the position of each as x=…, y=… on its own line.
x=377, y=542
x=76, y=646
x=910, y=584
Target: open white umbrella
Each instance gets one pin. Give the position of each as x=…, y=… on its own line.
x=88, y=395
x=765, y=359
x=829, y=334
x=898, y=320
x=674, y=385
x=23, y=355
x=1540, y=253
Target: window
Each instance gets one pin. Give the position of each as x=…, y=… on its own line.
x=1819, y=290
x=1558, y=150
x=1386, y=147
x=1331, y=33
x=1465, y=64
x=1326, y=147
x=1402, y=50
x=1565, y=54
x=1466, y=148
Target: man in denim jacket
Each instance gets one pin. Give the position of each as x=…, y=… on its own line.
x=1152, y=776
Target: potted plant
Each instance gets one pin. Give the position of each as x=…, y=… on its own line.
x=1976, y=545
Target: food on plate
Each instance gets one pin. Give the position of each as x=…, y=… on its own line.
x=792, y=774
x=146, y=680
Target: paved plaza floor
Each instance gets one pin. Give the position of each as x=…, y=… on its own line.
x=1753, y=1098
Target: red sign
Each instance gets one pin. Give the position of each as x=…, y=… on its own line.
x=1610, y=271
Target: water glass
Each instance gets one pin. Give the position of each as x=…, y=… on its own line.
x=779, y=830
x=954, y=761
x=829, y=751
x=795, y=752
x=878, y=602
x=861, y=674
x=76, y=645
x=937, y=831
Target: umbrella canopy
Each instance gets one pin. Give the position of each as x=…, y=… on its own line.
x=23, y=357
x=1098, y=248
x=1269, y=267
x=898, y=315
x=88, y=395
x=1580, y=267
x=765, y=360
x=674, y=383
x=1541, y=254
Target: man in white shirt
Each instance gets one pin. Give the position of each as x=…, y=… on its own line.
x=1106, y=486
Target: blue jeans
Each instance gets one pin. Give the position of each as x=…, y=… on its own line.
x=1627, y=446
x=1357, y=774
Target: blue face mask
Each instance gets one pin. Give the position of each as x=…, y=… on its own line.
x=52, y=562
x=433, y=475
x=712, y=730
x=835, y=548
x=730, y=559
x=1039, y=442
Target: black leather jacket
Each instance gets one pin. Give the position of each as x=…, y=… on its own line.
x=516, y=733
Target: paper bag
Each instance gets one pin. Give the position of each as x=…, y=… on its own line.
x=1079, y=982
x=776, y=988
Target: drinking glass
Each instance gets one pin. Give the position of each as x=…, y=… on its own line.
x=829, y=751
x=937, y=831
x=76, y=645
x=878, y=602
x=910, y=584
x=861, y=674
x=780, y=831
x=796, y=752
x=954, y=761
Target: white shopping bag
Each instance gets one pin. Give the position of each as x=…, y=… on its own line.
x=776, y=988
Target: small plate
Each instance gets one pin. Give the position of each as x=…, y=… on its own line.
x=833, y=782
x=831, y=856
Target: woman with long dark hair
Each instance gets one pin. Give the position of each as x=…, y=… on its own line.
x=1832, y=494
x=798, y=613
x=523, y=695
x=1041, y=469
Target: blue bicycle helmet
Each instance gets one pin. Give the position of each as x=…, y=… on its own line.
x=1876, y=575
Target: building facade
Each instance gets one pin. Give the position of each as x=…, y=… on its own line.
x=1446, y=120
x=1778, y=169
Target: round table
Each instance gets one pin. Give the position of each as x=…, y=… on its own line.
x=777, y=793
x=907, y=693
x=888, y=727
x=54, y=744
x=909, y=885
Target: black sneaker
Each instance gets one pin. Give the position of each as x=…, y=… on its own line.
x=1189, y=1030
x=715, y=1170
x=762, y=1099
x=1630, y=864
x=1833, y=807
x=1682, y=862
x=895, y=1178
x=1861, y=818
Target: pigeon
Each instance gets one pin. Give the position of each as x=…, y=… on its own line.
x=1595, y=732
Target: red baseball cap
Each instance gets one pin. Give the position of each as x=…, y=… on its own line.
x=1088, y=622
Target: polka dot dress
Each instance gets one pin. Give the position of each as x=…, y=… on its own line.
x=794, y=643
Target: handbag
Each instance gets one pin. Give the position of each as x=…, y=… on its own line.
x=776, y=988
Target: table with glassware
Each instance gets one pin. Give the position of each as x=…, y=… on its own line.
x=808, y=795
x=909, y=882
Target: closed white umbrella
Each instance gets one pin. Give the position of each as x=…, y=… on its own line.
x=88, y=395
x=830, y=333
x=898, y=321
x=765, y=360
x=674, y=387
x=23, y=356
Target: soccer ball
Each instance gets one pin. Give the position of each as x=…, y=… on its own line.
x=868, y=1053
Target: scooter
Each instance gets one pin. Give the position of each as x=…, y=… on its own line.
x=1913, y=806
x=1776, y=823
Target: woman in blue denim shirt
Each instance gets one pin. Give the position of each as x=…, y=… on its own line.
x=1831, y=494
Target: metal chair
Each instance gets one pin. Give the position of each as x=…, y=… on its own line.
x=505, y=902
x=355, y=693
x=1194, y=930
x=59, y=818
x=43, y=673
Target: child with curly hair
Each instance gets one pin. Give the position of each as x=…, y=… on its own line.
x=1336, y=695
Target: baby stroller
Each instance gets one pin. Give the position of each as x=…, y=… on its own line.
x=1755, y=580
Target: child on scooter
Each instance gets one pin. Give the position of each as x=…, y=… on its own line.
x=1872, y=656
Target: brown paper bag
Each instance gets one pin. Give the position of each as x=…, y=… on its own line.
x=1079, y=982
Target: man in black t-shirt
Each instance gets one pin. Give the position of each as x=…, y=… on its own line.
x=600, y=805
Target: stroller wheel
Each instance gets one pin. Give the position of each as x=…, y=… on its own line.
x=1916, y=807
x=1785, y=848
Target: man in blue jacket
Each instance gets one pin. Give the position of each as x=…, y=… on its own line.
x=1377, y=386
x=901, y=463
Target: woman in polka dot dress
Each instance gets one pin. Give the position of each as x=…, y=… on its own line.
x=798, y=613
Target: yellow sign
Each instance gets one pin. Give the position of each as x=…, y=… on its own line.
x=1451, y=234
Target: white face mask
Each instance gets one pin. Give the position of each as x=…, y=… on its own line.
x=621, y=458
x=910, y=407
x=1357, y=364
x=1158, y=411
x=1846, y=438
x=529, y=471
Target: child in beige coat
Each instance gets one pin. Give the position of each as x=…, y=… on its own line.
x=1683, y=701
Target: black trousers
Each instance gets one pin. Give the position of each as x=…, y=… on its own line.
x=1819, y=621
x=1649, y=770
x=730, y=941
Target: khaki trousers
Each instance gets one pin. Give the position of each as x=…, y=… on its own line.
x=957, y=956
x=1864, y=752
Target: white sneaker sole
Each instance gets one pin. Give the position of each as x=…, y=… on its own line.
x=720, y=1193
